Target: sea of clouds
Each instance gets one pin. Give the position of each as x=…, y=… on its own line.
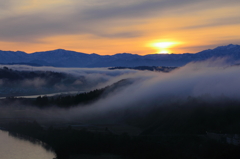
x=214, y=78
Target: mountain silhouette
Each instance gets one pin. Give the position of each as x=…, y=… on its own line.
x=66, y=58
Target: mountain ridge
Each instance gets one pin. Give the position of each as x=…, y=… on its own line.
x=68, y=58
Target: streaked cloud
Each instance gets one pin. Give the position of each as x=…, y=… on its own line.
x=31, y=25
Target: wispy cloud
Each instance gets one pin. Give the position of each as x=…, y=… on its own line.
x=219, y=22
x=101, y=21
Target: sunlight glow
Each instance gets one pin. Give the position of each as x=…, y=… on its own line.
x=164, y=52
x=163, y=44
x=163, y=47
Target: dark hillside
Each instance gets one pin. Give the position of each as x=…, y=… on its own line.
x=14, y=82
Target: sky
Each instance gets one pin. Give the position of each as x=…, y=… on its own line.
x=108, y=27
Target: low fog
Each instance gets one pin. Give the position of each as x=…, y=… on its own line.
x=210, y=80
x=96, y=77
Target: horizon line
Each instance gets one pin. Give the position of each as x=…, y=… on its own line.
x=116, y=53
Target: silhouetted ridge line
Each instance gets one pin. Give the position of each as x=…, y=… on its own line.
x=66, y=58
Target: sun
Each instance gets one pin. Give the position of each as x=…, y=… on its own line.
x=163, y=47
x=165, y=51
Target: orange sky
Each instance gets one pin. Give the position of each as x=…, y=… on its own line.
x=109, y=26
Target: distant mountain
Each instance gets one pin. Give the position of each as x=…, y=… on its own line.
x=65, y=58
x=148, y=68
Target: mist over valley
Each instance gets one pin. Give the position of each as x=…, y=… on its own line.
x=158, y=104
x=110, y=79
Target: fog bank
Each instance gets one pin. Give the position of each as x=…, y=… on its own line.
x=210, y=79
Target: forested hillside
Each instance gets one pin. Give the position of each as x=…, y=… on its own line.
x=14, y=82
